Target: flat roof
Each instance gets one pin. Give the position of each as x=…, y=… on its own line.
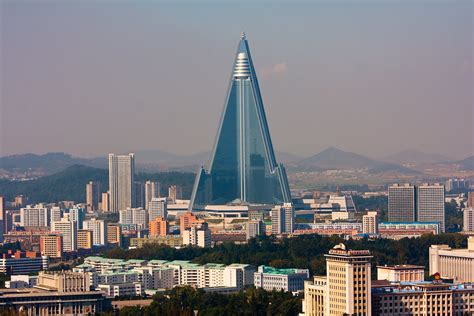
x=402, y=267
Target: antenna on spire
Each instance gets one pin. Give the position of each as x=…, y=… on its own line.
x=242, y=36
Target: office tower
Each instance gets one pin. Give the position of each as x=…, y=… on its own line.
x=283, y=218
x=34, y=216
x=255, y=228
x=401, y=203
x=243, y=165
x=56, y=214
x=121, y=177
x=187, y=220
x=158, y=227
x=157, y=207
x=138, y=194
x=104, y=204
x=3, y=216
x=84, y=239
x=114, y=232
x=175, y=192
x=98, y=228
x=77, y=214
x=93, y=194
x=468, y=219
x=430, y=203
x=68, y=229
x=369, y=223
x=348, y=281
x=152, y=190
x=51, y=245
x=134, y=216
x=197, y=235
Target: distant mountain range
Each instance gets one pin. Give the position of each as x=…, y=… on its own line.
x=155, y=160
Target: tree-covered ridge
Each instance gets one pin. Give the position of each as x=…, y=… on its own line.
x=70, y=184
x=305, y=251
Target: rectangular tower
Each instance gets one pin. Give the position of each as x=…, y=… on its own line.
x=121, y=176
x=430, y=204
x=401, y=203
x=93, y=194
x=152, y=190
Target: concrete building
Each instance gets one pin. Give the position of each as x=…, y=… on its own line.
x=434, y=299
x=315, y=296
x=22, y=262
x=369, y=223
x=122, y=289
x=430, y=204
x=56, y=214
x=138, y=194
x=157, y=207
x=121, y=178
x=348, y=281
x=68, y=229
x=401, y=273
x=197, y=235
x=468, y=219
x=84, y=239
x=158, y=227
x=34, y=216
x=457, y=264
x=21, y=281
x=175, y=192
x=187, y=220
x=64, y=281
x=470, y=198
x=255, y=228
x=77, y=214
x=288, y=280
x=136, y=216
x=51, y=245
x=399, y=230
x=283, y=218
x=170, y=240
x=99, y=231
x=114, y=232
x=152, y=191
x=455, y=183
x=105, y=202
x=401, y=203
x=93, y=195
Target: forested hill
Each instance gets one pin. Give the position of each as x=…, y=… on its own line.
x=70, y=184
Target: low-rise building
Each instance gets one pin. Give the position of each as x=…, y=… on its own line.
x=457, y=264
x=399, y=230
x=170, y=240
x=122, y=289
x=290, y=280
x=21, y=281
x=23, y=262
x=401, y=273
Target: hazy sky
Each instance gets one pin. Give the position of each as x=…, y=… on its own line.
x=374, y=77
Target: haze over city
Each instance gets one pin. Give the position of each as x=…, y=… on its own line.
x=90, y=78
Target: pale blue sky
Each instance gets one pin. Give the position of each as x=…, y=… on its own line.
x=374, y=77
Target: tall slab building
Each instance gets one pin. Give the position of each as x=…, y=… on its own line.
x=121, y=175
x=243, y=168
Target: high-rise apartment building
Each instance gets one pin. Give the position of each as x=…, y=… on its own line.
x=468, y=219
x=470, y=199
x=98, y=229
x=51, y=245
x=20, y=200
x=243, y=165
x=134, y=216
x=77, y=214
x=93, y=195
x=138, y=194
x=255, y=228
x=158, y=227
x=187, y=220
x=197, y=235
x=175, y=192
x=34, y=216
x=283, y=218
x=348, y=281
x=157, y=207
x=105, y=202
x=121, y=178
x=430, y=204
x=369, y=223
x=56, y=214
x=68, y=229
x=401, y=203
x=152, y=190
x=114, y=232
x=455, y=184
x=84, y=239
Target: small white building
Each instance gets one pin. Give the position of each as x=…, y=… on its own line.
x=290, y=280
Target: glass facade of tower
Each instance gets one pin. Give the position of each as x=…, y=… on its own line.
x=243, y=166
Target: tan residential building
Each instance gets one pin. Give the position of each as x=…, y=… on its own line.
x=369, y=223
x=457, y=264
x=65, y=281
x=114, y=232
x=158, y=227
x=84, y=239
x=401, y=273
x=51, y=245
x=315, y=296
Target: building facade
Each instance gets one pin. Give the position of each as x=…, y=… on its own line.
x=369, y=223
x=430, y=204
x=68, y=229
x=51, y=245
x=152, y=190
x=288, y=280
x=468, y=219
x=157, y=207
x=93, y=195
x=121, y=178
x=401, y=203
x=401, y=273
x=457, y=264
x=99, y=231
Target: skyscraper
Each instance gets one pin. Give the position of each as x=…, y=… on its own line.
x=138, y=194
x=430, y=203
x=68, y=229
x=152, y=190
x=93, y=194
x=3, y=216
x=283, y=218
x=157, y=207
x=401, y=203
x=121, y=175
x=243, y=167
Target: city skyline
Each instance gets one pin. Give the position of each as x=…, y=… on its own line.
x=384, y=98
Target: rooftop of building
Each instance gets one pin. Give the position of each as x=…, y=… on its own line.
x=418, y=287
x=402, y=267
x=340, y=250
x=272, y=270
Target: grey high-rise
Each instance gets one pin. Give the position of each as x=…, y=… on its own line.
x=430, y=204
x=121, y=175
x=401, y=203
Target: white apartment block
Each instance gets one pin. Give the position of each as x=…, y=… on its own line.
x=152, y=190
x=289, y=280
x=369, y=223
x=99, y=230
x=34, y=216
x=157, y=207
x=68, y=229
x=121, y=178
x=134, y=216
